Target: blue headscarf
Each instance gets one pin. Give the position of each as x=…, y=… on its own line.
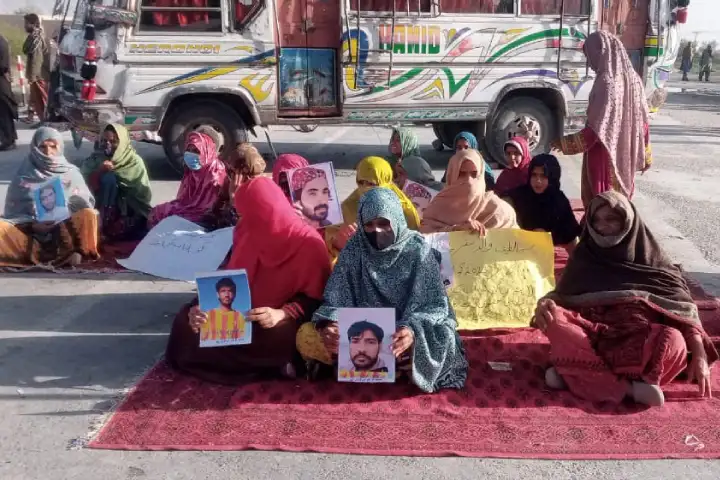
x=404, y=276
x=38, y=168
x=473, y=143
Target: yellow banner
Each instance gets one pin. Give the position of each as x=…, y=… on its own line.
x=496, y=280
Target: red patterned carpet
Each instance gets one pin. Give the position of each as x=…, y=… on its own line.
x=498, y=414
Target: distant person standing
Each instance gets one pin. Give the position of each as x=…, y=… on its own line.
x=52, y=113
x=8, y=103
x=706, y=64
x=687, y=61
x=37, y=69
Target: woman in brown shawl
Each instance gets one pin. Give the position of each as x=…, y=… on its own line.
x=243, y=164
x=464, y=204
x=615, y=143
x=621, y=320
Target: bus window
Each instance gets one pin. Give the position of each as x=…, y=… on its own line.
x=401, y=6
x=478, y=6
x=552, y=7
x=180, y=16
x=245, y=10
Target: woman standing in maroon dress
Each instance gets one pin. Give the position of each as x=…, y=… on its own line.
x=615, y=143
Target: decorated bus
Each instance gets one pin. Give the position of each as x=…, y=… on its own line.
x=497, y=68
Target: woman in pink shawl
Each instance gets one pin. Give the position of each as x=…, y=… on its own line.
x=615, y=142
x=283, y=163
x=200, y=187
x=517, y=156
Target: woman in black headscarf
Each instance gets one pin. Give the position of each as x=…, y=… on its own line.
x=540, y=205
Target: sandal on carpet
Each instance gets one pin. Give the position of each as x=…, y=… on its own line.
x=73, y=260
x=554, y=380
x=647, y=394
x=288, y=371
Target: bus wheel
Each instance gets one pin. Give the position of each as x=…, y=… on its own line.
x=521, y=116
x=215, y=119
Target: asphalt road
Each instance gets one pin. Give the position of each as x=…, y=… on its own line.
x=70, y=343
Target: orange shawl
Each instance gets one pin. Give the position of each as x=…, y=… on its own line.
x=466, y=199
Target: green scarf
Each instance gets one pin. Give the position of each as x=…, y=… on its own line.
x=409, y=144
x=129, y=168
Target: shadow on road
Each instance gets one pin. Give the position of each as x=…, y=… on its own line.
x=115, y=336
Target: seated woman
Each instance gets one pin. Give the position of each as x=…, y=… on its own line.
x=468, y=141
x=417, y=170
x=621, y=320
x=517, y=157
x=203, y=177
x=541, y=206
x=287, y=267
x=243, y=164
x=284, y=163
x=403, y=144
x=426, y=340
x=464, y=204
x=371, y=172
x=119, y=180
x=23, y=240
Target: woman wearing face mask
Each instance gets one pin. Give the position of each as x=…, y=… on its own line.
x=203, y=177
x=615, y=143
x=388, y=265
x=371, y=172
x=464, y=203
x=119, y=180
x=23, y=240
x=621, y=320
x=517, y=156
x=541, y=205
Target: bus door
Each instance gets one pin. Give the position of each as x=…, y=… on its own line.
x=573, y=14
x=308, y=40
x=628, y=19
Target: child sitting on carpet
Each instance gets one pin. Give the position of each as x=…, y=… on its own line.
x=621, y=321
x=426, y=341
x=541, y=206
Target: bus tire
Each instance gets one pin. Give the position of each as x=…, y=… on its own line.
x=218, y=120
x=507, y=121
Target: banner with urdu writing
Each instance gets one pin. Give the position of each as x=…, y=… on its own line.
x=495, y=281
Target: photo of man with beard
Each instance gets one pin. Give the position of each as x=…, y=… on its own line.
x=365, y=342
x=50, y=202
x=313, y=194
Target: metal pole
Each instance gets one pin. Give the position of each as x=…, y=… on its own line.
x=562, y=21
x=357, y=43
x=392, y=44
